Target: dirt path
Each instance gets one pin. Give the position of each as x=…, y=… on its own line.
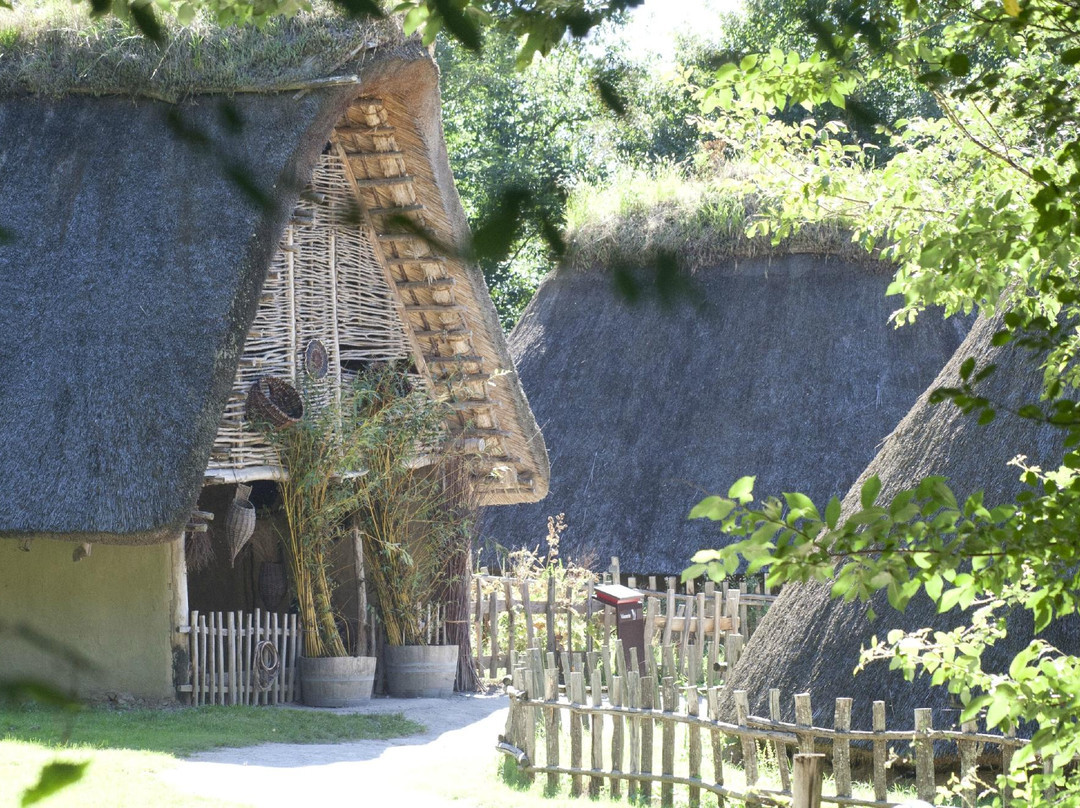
x=400, y=773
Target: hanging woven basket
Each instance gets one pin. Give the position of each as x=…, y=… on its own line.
x=272, y=583
x=275, y=402
x=239, y=522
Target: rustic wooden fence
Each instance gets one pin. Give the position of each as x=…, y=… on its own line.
x=242, y=658
x=706, y=628
x=621, y=729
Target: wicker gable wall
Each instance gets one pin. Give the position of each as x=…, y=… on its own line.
x=326, y=282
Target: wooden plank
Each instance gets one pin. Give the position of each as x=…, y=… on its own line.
x=526, y=606
x=667, y=655
x=684, y=644
x=569, y=618
x=596, y=735
x=246, y=658
x=219, y=651
x=577, y=689
x=881, y=791
x=924, y=755
x=667, y=753
x=256, y=638
x=479, y=617
x=590, y=609
x=493, y=635
x=749, y=745
x=693, y=708
x=230, y=642
x=648, y=701
x=779, y=747
x=511, y=644
x=196, y=660
x=699, y=635
x=279, y=631
x=717, y=743
x=615, y=689
x=842, y=748
x=714, y=652
x=652, y=611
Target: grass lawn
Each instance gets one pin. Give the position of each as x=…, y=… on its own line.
x=128, y=749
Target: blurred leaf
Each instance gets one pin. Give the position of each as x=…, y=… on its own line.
x=460, y=26
x=609, y=95
x=231, y=117
x=242, y=178
x=361, y=8
x=6, y=236
x=494, y=236
x=147, y=22
x=54, y=776
x=626, y=285
x=22, y=690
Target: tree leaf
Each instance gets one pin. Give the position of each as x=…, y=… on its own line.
x=54, y=776
x=715, y=508
x=870, y=489
x=742, y=491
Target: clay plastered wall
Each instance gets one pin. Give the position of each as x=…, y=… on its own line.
x=114, y=607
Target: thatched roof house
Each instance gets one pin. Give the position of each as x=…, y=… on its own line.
x=173, y=232
x=790, y=370
x=808, y=642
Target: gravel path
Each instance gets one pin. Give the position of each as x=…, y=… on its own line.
x=402, y=772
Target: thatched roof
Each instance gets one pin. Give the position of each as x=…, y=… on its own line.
x=810, y=643
x=790, y=370
x=134, y=270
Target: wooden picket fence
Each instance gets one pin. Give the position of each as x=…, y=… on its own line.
x=629, y=727
x=511, y=614
x=242, y=658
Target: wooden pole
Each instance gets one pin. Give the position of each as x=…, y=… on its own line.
x=806, y=780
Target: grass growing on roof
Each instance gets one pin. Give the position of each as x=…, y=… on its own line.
x=702, y=219
x=54, y=47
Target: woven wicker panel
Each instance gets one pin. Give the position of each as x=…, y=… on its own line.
x=325, y=283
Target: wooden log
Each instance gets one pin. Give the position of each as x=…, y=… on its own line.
x=806, y=780
x=714, y=652
x=577, y=689
x=648, y=701
x=511, y=636
x=493, y=633
x=667, y=754
x=551, y=725
x=616, y=573
x=733, y=644
x=749, y=745
x=611, y=668
x=596, y=735
x=615, y=691
x=842, y=748
x=569, y=618
x=744, y=613
x=924, y=755
x=699, y=634
x=716, y=742
x=1007, y=752
x=667, y=654
x=652, y=611
x=804, y=717
x=779, y=747
x=881, y=791
x=693, y=707
x=684, y=644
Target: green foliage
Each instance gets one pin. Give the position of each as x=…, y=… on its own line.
x=980, y=209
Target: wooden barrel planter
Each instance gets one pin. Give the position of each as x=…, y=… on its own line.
x=336, y=681
x=420, y=671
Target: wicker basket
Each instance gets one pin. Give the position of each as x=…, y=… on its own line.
x=239, y=522
x=275, y=402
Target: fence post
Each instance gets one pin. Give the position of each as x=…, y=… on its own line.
x=648, y=701
x=881, y=791
x=577, y=689
x=693, y=709
x=749, y=745
x=493, y=634
x=550, y=612
x=717, y=742
x=804, y=717
x=924, y=754
x=969, y=754
x=842, y=748
x=551, y=723
x=806, y=781
x=511, y=640
x=779, y=747
x=615, y=688
x=596, y=735
x=667, y=752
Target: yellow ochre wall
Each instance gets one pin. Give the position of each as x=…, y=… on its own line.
x=114, y=607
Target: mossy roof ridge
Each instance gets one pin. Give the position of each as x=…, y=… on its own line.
x=702, y=221
x=56, y=49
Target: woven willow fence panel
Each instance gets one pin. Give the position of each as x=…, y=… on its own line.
x=325, y=283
